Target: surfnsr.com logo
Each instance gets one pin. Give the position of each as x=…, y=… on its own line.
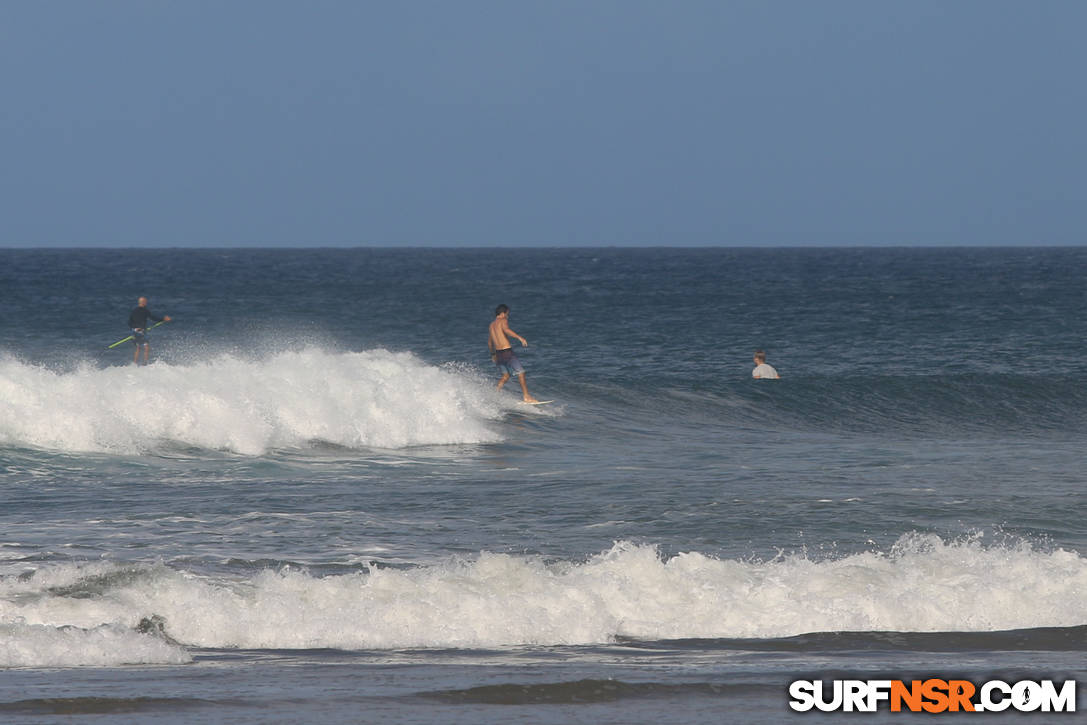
x=933, y=695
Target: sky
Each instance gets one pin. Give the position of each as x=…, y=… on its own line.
x=504, y=123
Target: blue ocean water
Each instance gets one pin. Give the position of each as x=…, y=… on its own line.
x=313, y=503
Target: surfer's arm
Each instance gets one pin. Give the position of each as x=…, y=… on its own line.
x=511, y=333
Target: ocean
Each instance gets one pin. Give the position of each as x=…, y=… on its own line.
x=314, y=505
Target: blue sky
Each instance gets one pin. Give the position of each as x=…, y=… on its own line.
x=542, y=123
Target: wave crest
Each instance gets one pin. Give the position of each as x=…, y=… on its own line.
x=924, y=584
x=376, y=399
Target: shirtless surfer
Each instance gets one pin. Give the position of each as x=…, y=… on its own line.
x=502, y=350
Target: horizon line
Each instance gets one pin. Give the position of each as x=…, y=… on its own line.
x=507, y=247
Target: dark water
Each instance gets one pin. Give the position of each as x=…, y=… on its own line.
x=314, y=504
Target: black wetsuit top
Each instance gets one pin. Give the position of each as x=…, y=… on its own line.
x=138, y=318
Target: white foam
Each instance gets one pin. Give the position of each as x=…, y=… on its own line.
x=39, y=645
x=374, y=399
x=922, y=584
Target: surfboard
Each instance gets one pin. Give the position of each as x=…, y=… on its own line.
x=538, y=402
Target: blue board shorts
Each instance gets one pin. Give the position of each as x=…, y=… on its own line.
x=507, y=362
x=139, y=337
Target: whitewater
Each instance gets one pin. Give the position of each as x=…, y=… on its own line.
x=376, y=399
x=73, y=615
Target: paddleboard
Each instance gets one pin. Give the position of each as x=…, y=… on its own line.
x=538, y=402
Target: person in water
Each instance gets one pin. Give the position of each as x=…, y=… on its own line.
x=762, y=370
x=502, y=350
x=137, y=320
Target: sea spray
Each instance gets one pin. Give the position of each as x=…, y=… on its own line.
x=376, y=399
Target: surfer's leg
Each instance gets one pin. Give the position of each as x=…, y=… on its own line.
x=503, y=379
x=524, y=389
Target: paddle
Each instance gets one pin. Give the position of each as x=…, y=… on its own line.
x=131, y=336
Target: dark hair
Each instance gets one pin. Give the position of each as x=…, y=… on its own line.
x=500, y=309
x=760, y=356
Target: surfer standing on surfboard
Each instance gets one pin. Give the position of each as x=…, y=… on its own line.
x=502, y=350
x=137, y=320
